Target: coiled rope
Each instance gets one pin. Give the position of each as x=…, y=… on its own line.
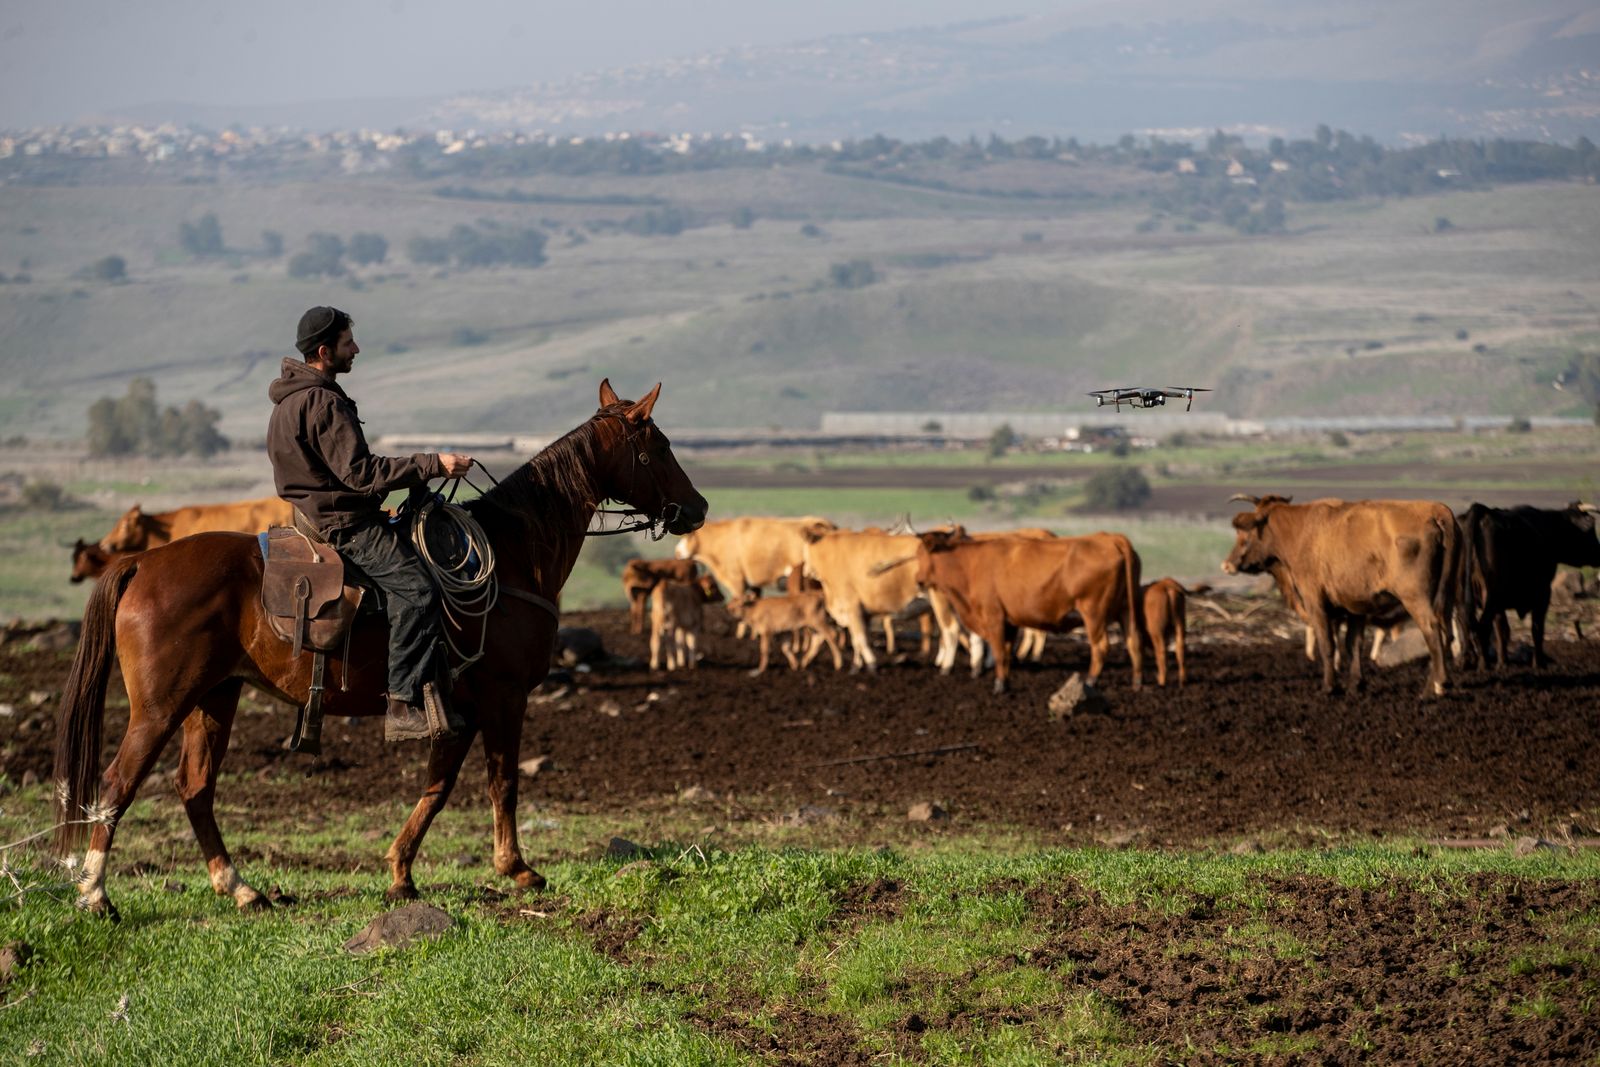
x=468, y=587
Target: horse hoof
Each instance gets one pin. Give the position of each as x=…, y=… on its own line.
x=529, y=879
x=259, y=902
x=102, y=909
x=401, y=891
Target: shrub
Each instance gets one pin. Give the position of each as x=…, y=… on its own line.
x=271, y=244
x=855, y=274
x=980, y=494
x=202, y=238
x=743, y=218
x=1003, y=438
x=466, y=336
x=109, y=269
x=1519, y=424
x=1338, y=440
x=811, y=229
x=44, y=496
x=1119, y=488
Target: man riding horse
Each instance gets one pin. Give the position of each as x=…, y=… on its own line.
x=322, y=465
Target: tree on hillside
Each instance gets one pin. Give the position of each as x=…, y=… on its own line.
x=201, y=238
x=134, y=425
x=109, y=269
x=322, y=257
x=271, y=244
x=368, y=248
x=855, y=274
x=1118, y=488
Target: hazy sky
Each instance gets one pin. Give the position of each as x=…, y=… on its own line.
x=62, y=59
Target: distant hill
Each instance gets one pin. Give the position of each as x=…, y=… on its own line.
x=1392, y=68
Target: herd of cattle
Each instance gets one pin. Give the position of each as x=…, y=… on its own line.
x=1340, y=565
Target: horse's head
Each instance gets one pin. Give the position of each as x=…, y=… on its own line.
x=641, y=470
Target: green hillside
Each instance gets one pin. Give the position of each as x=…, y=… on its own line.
x=975, y=301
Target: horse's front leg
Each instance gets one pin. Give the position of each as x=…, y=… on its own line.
x=502, y=741
x=444, y=764
x=205, y=741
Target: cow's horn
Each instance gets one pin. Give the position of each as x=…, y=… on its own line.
x=1244, y=496
x=1590, y=508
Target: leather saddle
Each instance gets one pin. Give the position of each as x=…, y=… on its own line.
x=304, y=592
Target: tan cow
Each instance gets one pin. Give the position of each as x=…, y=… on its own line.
x=138, y=530
x=1001, y=584
x=856, y=583
x=1353, y=561
x=639, y=576
x=748, y=553
x=1166, y=616
x=794, y=615
x=677, y=615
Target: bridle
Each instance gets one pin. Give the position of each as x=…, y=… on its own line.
x=632, y=519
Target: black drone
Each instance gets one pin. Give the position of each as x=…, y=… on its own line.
x=1140, y=396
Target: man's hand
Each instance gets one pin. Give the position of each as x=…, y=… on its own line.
x=455, y=464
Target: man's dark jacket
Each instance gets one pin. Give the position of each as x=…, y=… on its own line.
x=320, y=459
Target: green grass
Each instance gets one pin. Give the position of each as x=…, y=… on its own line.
x=614, y=963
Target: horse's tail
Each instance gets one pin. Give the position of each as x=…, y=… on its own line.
x=83, y=705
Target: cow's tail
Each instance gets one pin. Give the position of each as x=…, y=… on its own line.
x=1133, y=625
x=83, y=706
x=1466, y=596
x=1447, y=590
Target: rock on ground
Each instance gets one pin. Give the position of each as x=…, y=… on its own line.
x=400, y=927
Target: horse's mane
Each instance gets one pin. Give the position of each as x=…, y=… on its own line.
x=546, y=492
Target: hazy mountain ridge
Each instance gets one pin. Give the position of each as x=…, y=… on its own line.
x=1461, y=69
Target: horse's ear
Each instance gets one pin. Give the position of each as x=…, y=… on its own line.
x=608, y=395
x=641, y=409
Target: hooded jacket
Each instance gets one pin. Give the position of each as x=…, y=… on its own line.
x=320, y=459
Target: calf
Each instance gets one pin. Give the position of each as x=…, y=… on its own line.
x=639, y=576
x=1165, y=615
x=792, y=615
x=676, y=617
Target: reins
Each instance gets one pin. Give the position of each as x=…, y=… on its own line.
x=469, y=587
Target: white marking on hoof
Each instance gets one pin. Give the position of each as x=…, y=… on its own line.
x=227, y=883
x=92, y=882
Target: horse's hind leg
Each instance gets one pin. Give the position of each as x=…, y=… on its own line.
x=502, y=738
x=444, y=764
x=148, y=733
x=205, y=740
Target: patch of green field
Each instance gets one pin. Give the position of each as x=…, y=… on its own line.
x=615, y=962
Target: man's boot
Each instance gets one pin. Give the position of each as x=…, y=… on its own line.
x=407, y=722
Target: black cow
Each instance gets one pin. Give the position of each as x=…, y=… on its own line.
x=1509, y=560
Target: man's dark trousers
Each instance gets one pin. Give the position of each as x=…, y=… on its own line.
x=386, y=557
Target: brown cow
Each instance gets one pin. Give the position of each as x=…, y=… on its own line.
x=639, y=576
x=677, y=615
x=1166, y=615
x=1351, y=561
x=1030, y=642
x=999, y=585
x=793, y=614
x=137, y=530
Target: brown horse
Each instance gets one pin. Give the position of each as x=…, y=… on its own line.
x=186, y=623
x=89, y=560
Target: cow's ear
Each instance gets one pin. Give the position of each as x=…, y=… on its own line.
x=608, y=395
x=814, y=532
x=641, y=409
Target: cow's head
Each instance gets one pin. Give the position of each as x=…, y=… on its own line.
x=89, y=560
x=933, y=544
x=741, y=603
x=1579, y=547
x=1253, y=542
x=128, y=533
x=816, y=530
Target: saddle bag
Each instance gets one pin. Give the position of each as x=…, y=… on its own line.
x=303, y=591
